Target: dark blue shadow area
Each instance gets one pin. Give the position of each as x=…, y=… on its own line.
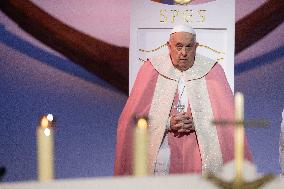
x=48, y=58
x=168, y=2
x=262, y=60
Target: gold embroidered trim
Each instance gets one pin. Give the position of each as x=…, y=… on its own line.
x=218, y=60
x=199, y=45
x=153, y=50
x=214, y=50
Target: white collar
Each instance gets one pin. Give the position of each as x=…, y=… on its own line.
x=202, y=65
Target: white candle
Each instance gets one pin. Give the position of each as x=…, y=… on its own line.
x=140, y=148
x=45, y=149
x=239, y=135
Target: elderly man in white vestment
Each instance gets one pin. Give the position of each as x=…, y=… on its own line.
x=181, y=93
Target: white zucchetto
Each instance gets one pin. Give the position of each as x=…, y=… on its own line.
x=183, y=28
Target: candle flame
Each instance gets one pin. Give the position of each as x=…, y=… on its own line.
x=44, y=122
x=142, y=123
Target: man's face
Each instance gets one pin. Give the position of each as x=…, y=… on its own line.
x=182, y=48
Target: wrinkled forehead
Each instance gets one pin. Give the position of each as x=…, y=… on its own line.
x=182, y=37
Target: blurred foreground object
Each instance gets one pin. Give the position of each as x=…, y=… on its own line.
x=281, y=145
x=45, y=143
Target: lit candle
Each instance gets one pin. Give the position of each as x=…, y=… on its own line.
x=140, y=148
x=45, y=148
x=239, y=135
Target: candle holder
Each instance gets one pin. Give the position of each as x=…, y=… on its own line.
x=238, y=183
